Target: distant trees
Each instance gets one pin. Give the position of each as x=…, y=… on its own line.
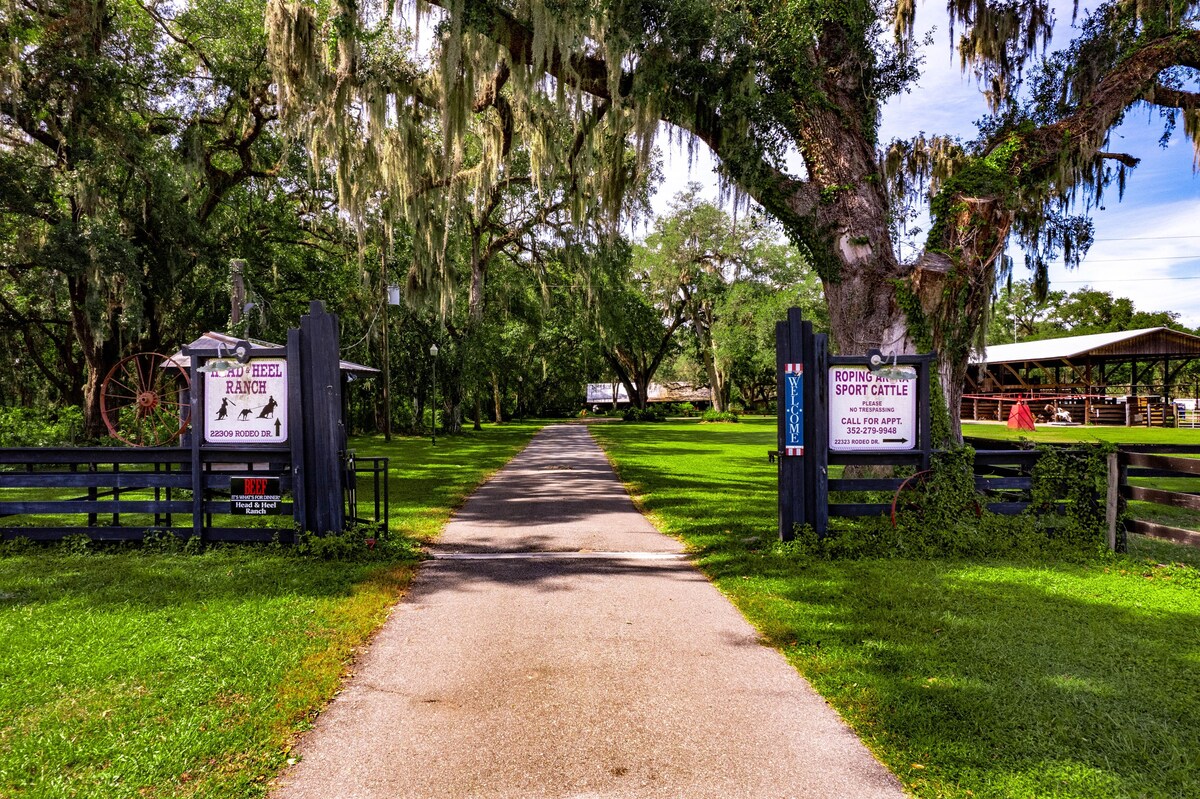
x=727, y=280
x=1018, y=314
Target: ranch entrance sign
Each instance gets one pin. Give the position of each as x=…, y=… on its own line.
x=842, y=410
x=247, y=404
x=872, y=410
x=268, y=439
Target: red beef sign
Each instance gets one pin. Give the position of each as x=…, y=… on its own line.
x=254, y=496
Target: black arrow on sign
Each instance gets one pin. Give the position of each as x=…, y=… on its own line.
x=894, y=440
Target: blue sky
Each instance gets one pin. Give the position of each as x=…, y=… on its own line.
x=1147, y=246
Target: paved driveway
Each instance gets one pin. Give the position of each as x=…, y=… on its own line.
x=559, y=646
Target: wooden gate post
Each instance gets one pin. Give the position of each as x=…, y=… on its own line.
x=801, y=368
x=319, y=468
x=1112, y=499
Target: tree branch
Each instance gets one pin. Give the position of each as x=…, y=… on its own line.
x=1083, y=131
x=1172, y=98
x=785, y=197
x=1124, y=158
x=183, y=40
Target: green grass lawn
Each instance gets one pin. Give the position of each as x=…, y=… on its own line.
x=968, y=679
x=141, y=674
x=429, y=481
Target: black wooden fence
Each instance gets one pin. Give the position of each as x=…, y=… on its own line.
x=1160, y=461
x=1003, y=476
x=121, y=494
x=807, y=493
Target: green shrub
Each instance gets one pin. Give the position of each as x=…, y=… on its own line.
x=162, y=541
x=361, y=542
x=713, y=415
x=76, y=544
x=18, y=545
x=39, y=427
x=643, y=415
x=677, y=409
x=944, y=516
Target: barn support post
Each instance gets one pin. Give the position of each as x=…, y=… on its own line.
x=1087, y=393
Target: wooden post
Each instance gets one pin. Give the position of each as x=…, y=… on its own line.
x=387, y=362
x=819, y=426
x=1087, y=395
x=324, y=433
x=296, y=429
x=786, y=468
x=1114, y=492
x=802, y=337
x=794, y=500
x=237, y=290
x=925, y=415
x=197, y=398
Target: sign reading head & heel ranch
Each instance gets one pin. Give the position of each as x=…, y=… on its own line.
x=872, y=410
x=247, y=404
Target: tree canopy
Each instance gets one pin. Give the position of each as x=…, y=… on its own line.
x=757, y=81
x=341, y=146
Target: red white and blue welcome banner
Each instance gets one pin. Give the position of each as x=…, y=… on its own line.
x=793, y=409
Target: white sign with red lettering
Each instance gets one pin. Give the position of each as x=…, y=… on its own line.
x=247, y=404
x=870, y=411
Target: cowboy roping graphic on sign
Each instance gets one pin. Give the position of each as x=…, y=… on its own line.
x=242, y=404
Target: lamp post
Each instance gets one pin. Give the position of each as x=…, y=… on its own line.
x=393, y=298
x=433, y=351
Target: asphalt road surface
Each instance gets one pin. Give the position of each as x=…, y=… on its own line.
x=559, y=646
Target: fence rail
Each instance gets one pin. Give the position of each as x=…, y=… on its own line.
x=1003, y=475
x=117, y=494
x=1152, y=464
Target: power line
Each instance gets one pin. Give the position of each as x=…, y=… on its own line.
x=1128, y=279
x=1148, y=238
x=1144, y=258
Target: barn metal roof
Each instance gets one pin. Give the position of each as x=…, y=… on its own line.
x=1148, y=342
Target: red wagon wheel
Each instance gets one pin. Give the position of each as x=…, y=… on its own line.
x=140, y=400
